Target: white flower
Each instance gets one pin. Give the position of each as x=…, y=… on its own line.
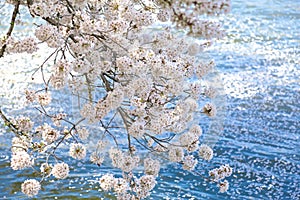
x=88, y=111
x=126, y=196
x=44, y=32
x=107, y=182
x=39, y=9
x=60, y=170
x=102, y=144
x=31, y=187
x=20, y=160
x=195, y=88
x=115, y=97
x=101, y=109
x=30, y=96
x=81, y=66
x=57, y=119
x=192, y=104
x=26, y=45
x=163, y=15
x=57, y=81
x=205, y=152
x=77, y=151
x=61, y=68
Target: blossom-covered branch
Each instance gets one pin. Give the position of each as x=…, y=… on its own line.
x=136, y=72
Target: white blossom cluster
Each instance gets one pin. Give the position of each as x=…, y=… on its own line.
x=151, y=166
x=135, y=77
x=186, y=14
x=141, y=187
x=123, y=160
x=60, y=170
x=31, y=187
x=20, y=144
x=23, y=124
x=28, y=45
x=219, y=174
x=20, y=160
x=49, y=134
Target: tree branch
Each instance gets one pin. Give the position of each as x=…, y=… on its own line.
x=11, y=27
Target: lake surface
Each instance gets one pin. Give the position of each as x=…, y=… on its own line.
x=259, y=65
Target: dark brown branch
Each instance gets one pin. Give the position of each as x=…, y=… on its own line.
x=11, y=27
x=9, y=123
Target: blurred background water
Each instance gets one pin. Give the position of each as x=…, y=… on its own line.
x=259, y=64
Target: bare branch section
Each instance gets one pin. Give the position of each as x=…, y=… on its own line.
x=11, y=27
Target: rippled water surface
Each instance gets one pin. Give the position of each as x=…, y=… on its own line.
x=259, y=64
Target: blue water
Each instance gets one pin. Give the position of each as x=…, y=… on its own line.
x=259, y=64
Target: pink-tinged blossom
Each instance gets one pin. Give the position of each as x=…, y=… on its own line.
x=46, y=169
x=196, y=129
x=30, y=96
x=189, y=141
x=107, y=54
